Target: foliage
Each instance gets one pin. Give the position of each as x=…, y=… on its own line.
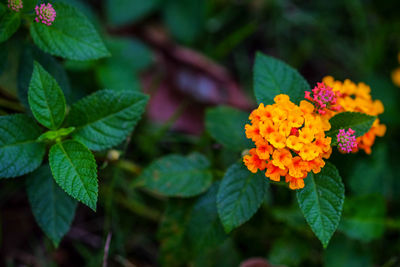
x=94, y=134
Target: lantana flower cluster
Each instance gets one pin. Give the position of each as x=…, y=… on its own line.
x=357, y=98
x=346, y=140
x=323, y=97
x=45, y=14
x=290, y=141
x=15, y=5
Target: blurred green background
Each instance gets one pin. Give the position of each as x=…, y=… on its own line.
x=193, y=54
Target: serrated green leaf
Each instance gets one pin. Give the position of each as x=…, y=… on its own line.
x=19, y=151
x=53, y=209
x=121, y=12
x=105, y=118
x=359, y=122
x=240, y=195
x=71, y=35
x=321, y=201
x=9, y=24
x=204, y=230
x=364, y=217
x=226, y=125
x=74, y=169
x=272, y=77
x=30, y=54
x=178, y=176
x=46, y=99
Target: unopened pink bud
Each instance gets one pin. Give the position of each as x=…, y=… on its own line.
x=15, y=5
x=346, y=140
x=45, y=14
x=323, y=98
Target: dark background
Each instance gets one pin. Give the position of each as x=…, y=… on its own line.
x=190, y=55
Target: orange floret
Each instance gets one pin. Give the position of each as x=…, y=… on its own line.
x=294, y=183
x=294, y=143
x=253, y=162
x=289, y=139
x=253, y=132
x=263, y=149
x=274, y=173
x=277, y=140
x=357, y=98
x=282, y=158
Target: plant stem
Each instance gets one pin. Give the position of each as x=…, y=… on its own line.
x=128, y=166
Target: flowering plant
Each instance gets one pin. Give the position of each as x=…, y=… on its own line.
x=293, y=131
x=68, y=134
x=92, y=180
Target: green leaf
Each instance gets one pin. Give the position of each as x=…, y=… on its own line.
x=55, y=135
x=19, y=151
x=321, y=201
x=71, y=36
x=53, y=209
x=273, y=77
x=46, y=99
x=121, y=12
x=226, y=125
x=105, y=118
x=240, y=195
x=9, y=24
x=359, y=122
x=30, y=54
x=178, y=176
x=364, y=217
x=204, y=229
x=74, y=169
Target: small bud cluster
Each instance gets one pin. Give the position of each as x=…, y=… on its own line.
x=346, y=140
x=15, y=5
x=45, y=14
x=323, y=98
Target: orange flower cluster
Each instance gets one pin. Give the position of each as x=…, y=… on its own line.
x=290, y=141
x=357, y=98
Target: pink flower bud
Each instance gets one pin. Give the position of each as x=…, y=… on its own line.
x=323, y=98
x=45, y=14
x=346, y=140
x=15, y=5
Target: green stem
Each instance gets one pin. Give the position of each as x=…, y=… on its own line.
x=128, y=166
